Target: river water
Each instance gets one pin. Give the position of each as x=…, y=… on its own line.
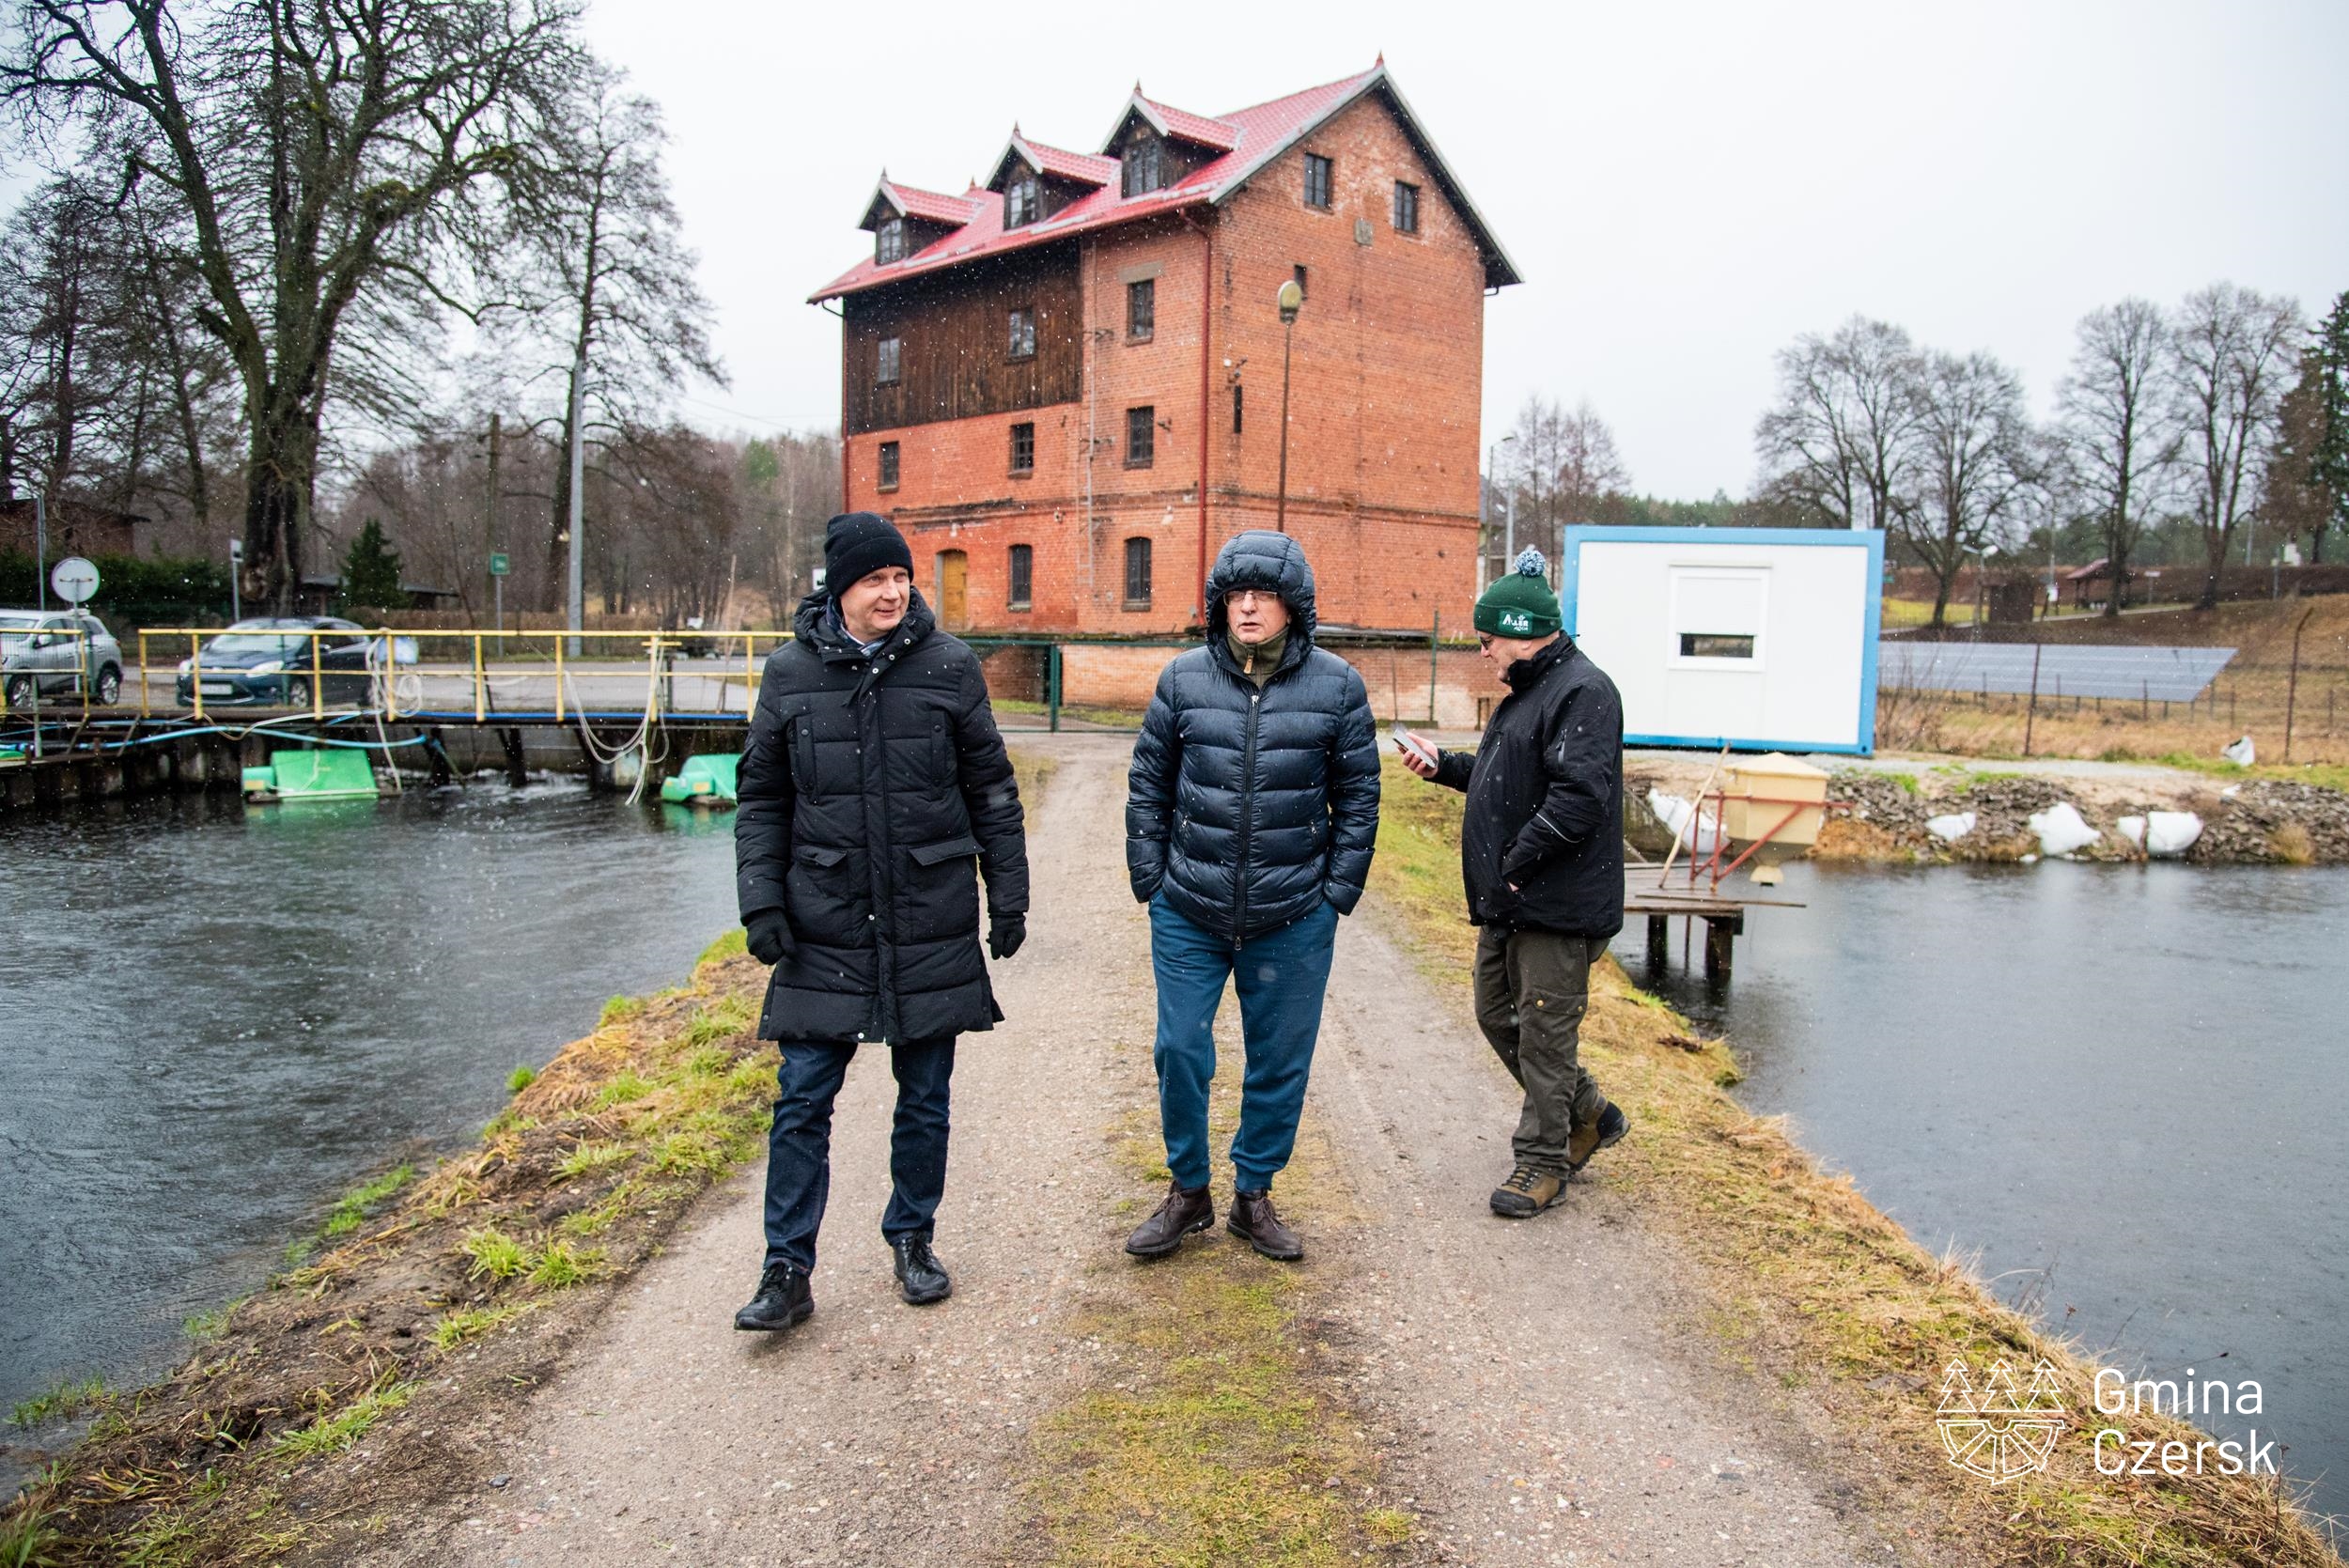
x=214, y=1018
x=2125, y=1089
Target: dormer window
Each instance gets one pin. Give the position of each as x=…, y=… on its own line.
x=1020, y=204
x=1144, y=166
x=889, y=241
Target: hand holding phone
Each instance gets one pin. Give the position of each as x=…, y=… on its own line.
x=1418, y=755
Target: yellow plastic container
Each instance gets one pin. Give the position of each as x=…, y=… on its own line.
x=1760, y=792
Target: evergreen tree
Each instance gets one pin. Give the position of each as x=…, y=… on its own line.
x=371, y=571
x=2328, y=468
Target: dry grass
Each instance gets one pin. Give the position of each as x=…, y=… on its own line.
x=1822, y=1294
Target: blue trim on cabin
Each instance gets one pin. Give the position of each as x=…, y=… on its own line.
x=1863, y=721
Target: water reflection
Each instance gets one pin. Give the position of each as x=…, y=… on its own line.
x=215, y=1016
x=2122, y=1086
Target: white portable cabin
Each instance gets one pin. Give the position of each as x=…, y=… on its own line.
x=1762, y=638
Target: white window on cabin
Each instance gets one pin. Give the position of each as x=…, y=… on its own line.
x=1719, y=618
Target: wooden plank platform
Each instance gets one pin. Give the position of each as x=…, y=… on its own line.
x=1722, y=911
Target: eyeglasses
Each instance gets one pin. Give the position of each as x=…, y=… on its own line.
x=1485, y=640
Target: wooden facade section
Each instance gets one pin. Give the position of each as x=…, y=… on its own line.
x=954, y=335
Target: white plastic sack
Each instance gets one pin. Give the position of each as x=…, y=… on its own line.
x=1947, y=828
x=2061, y=830
x=2242, y=752
x=1698, y=831
x=2130, y=828
x=2171, y=832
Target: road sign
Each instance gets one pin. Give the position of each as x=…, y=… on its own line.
x=74, y=579
x=501, y=564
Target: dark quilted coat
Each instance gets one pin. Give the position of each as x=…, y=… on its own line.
x=1545, y=801
x=871, y=793
x=1250, y=807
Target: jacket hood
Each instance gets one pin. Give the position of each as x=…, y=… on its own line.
x=1265, y=561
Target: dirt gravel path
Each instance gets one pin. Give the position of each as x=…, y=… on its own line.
x=874, y=1433
x=1566, y=1407
x=1550, y=1399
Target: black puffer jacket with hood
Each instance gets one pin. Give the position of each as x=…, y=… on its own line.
x=871, y=787
x=1248, y=807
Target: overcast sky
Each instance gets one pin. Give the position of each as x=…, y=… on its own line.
x=1684, y=188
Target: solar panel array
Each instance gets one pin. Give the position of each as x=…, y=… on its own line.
x=2066, y=669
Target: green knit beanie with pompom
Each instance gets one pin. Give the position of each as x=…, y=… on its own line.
x=1520, y=603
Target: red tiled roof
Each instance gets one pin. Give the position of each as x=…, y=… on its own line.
x=1186, y=125
x=1063, y=165
x=1256, y=136
x=937, y=205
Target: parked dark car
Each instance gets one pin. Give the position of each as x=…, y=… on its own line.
x=57, y=652
x=258, y=661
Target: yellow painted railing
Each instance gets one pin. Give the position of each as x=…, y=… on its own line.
x=470, y=658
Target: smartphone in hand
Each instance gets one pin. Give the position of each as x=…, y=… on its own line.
x=1413, y=748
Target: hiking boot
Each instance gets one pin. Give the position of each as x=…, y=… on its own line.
x=1526, y=1193
x=782, y=1300
x=921, y=1278
x=1186, y=1209
x=1588, y=1139
x=1253, y=1222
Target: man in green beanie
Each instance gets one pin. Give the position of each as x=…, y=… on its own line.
x=1541, y=853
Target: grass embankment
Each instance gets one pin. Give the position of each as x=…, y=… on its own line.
x=1823, y=1297
x=300, y=1418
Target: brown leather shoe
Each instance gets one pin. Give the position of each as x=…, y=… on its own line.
x=1254, y=1220
x=1184, y=1210
x=1590, y=1136
x=1526, y=1193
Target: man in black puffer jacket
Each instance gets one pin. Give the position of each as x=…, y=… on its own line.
x=1251, y=814
x=1541, y=852
x=872, y=783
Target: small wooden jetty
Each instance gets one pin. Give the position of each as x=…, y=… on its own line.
x=1722, y=911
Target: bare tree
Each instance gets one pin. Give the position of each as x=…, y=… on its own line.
x=616, y=292
x=2231, y=349
x=328, y=159
x=1838, y=440
x=1565, y=464
x=61, y=320
x=1971, y=463
x=2119, y=436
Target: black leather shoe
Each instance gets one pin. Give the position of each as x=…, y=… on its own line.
x=1254, y=1220
x=921, y=1278
x=1186, y=1209
x=782, y=1302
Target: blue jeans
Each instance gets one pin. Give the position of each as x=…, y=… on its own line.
x=798, y=1143
x=1281, y=977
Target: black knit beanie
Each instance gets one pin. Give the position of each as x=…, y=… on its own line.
x=857, y=543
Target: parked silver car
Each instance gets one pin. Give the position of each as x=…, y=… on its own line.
x=59, y=653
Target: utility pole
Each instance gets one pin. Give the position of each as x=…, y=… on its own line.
x=577, y=518
x=490, y=525
x=41, y=545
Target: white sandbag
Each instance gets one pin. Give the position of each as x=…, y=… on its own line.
x=1698, y=833
x=2243, y=754
x=2132, y=828
x=2171, y=832
x=1949, y=828
x=2061, y=830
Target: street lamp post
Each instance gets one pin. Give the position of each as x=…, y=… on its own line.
x=1484, y=507
x=1290, y=299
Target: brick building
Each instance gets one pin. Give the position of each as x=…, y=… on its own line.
x=1064, y=384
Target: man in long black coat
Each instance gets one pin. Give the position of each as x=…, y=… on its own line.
x=873, y=785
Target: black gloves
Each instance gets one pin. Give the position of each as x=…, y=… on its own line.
x=770, y=937
x=1005, y=933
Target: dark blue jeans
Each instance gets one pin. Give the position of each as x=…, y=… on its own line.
x=1281, y=977
x=798, y=1144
